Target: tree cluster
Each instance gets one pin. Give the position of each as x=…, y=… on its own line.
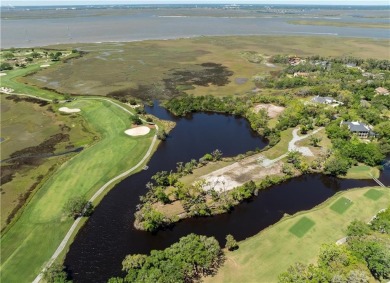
x=188, y=260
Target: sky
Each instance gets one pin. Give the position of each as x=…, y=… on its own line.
x=104, y=2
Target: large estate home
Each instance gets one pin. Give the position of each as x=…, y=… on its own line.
x=360, y=129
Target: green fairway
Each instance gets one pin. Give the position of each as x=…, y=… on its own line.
x=303, y=225
x=264, y=256
x=373, y=194
x=10, y=81
x=341, y=205
x=33, y=238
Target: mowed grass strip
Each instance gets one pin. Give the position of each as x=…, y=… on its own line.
x=32, y=240
x=373, y=194
x=362, y=172
x=341, y=205
x=302, y=226
x=264, y=256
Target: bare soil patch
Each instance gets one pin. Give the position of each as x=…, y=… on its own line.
x=273, y=111
x=239, y=173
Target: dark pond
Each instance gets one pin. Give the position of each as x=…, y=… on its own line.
x=109, y=236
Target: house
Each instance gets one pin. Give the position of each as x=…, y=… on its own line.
x=382, y=91
x=360, y=129
x=325, y=100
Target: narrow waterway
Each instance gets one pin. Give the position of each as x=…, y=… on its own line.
x=109, y=236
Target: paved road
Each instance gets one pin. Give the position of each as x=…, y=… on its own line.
x=292, y=147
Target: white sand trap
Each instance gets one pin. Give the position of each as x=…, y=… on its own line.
x=2, y=74
x=45, y=65
x=69, y=110
x=139, y=131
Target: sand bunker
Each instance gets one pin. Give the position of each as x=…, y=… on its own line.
x=139, y=131
x=45, y=65
x=272, y=110
x=69, y=110
x=2, y=74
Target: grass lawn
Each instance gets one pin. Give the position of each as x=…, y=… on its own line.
x=373, y=194
x=33, y=238
x=281, y=147
x=341, y=205
x=264, y=256
x=362, y=172
x=302, y=226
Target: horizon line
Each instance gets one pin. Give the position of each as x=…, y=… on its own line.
x=204, y=3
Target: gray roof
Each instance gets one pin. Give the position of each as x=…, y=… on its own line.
x=321, y=99
x=357, y=127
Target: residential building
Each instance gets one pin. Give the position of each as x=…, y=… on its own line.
x=360, y=129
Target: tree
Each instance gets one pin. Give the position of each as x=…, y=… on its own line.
x=217, y=155
x=314, y=141
x=294, y=157
x=162, y=135
x=77, y=206
x=8, y=55
x=135, y=119
x=336, y=165
x=5, y=66
x=231, y=243
x=150, y=219
x=357, y=228
x=381, y=222
x=35, y=55
x=133, y=261
x=383, y=130
x=55, y=274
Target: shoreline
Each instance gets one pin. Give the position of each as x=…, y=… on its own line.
x=270, y=34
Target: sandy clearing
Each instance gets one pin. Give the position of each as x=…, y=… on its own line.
x=270, y=65
x=45, y=65
x=238, y=173
x=2, y=74
x=139, y=131
x=272, y=110
x=69, y=110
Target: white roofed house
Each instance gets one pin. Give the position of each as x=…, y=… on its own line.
x=360, y=129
